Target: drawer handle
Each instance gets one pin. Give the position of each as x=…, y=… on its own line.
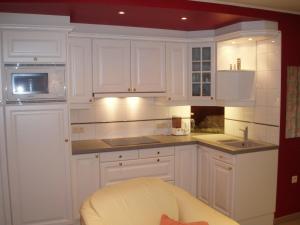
x=158, y=153
x=221, y=157
x=120, y=156
x=35, y=58
x=158, y=160
x=96, y=156
x=229, y=168
x=120, y=164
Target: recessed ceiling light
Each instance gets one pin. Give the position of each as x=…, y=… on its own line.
x=121, y=12
x=183, y=18
x=273, y=41
x=250, y=39
x=233, y=42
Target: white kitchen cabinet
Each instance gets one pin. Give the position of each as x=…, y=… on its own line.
x=21, y=46
x=148, y=60
x=186, y=168
x=242, y=186
x=5, y=217
x=85, y=179
x=80, y=70
x=203, y=174
x=38, y=154
x=202, y=71
x=235, y=85
x=1, y=91
x=222, y=186
x=113, y=172
x=111, y=66
x=176, y=70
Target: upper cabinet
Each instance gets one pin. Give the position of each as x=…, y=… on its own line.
x=20, y=46
x=80, y=70
x=176, y=69
x=202, y=71
x=111, y=66
x=148, y=66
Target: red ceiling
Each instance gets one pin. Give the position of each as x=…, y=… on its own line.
x=163, y=14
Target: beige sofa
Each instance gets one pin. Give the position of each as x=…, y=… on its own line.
x=142, y=201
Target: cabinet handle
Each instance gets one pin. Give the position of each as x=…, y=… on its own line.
x=158, y=160
x=169, y=98
x=66, y=140
x=120, y=164
x=91, y=100
x=211, y=98
x=129, y=89
x=120, y=156
x=134, y=89
x=221, y=157
x=229, y=168
x=96, y=156
x=35, y=58
x=158, y=153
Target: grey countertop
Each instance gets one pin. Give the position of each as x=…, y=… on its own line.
x=209, y=140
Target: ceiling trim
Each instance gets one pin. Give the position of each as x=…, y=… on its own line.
x=248, y=6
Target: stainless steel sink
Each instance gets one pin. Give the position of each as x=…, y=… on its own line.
x=243, y=144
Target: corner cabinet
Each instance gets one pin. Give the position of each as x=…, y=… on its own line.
x=241, y=186
x=38, y=154
x=202, y=71
x=35, y=46
x=80, y=70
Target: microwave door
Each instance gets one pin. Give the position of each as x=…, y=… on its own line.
x=30, y=83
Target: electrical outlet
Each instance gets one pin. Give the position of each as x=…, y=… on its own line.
x=295, y=179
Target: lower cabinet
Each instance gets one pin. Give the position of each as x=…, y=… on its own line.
x=186, y=168
x=37, y=140
x=176, y=165
x=242, y=186
x=85, y=179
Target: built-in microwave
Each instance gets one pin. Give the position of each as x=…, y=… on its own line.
x=35, y=82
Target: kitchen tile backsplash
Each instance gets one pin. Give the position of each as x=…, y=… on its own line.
x=125, y=117
x=263, y=119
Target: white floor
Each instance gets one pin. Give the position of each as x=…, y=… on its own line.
x=294, y=222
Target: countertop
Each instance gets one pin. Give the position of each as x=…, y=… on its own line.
x=209, y=140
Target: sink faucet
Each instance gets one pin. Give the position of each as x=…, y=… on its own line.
x=245, y=131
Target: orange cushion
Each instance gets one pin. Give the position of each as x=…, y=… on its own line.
x=165, y=220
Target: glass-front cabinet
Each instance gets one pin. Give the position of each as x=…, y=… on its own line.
x=202, y=71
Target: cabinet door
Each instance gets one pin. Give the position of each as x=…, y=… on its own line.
x=176, y=69
x=202, y=71
x=186, y=168
x=113, y=172
x=203, y=175
x=85, y=179
x=80, y=70
x=111, y=66
x=4, y=191
x=34, y=46
x=1, y=94
x=222, y=186
x=148, y=66
x=38, y=154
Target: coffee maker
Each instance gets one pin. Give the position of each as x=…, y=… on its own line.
x=177, y=128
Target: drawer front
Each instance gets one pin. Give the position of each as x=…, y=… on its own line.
x=119, y=155
x=114, y=172
x=156, y=152
x=219, y=155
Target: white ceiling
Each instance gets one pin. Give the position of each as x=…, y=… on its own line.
x=290, y=6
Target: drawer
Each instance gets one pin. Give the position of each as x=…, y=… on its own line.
x=114, y=172
x=226, y=158
x=156, y=152
x=119, y=155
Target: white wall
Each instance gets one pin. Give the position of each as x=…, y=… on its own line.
x=107, y=118
x=263, y=119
